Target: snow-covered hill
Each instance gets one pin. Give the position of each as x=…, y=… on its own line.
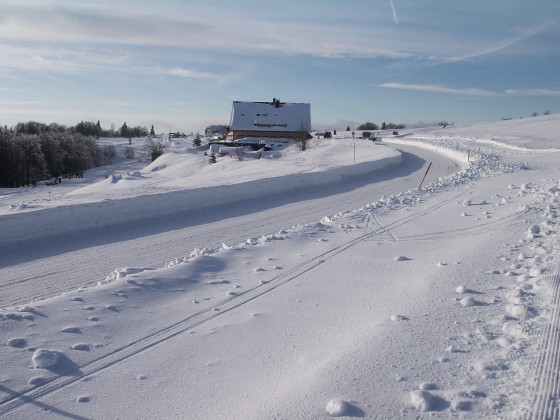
x=439, y=300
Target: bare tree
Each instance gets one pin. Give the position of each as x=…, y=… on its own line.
x=129, y=152
x=155, y=147
x=303, y=138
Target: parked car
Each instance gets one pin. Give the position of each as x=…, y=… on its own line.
x=328, y=135
x=366, y=135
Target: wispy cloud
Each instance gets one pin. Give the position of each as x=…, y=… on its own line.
x=439, y=89
x=103, y=24
x=24, y=102
x=395, y=17
x=59, y=58
x=470, y=91
x=191, y=74
x=120, y=103
x=69, y=25
x=534, y=92
x=514, y=37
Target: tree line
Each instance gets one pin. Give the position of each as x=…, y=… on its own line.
x=87, y=128
x=31, y=152
x=384, y=126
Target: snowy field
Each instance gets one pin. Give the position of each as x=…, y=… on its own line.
x=439, y=301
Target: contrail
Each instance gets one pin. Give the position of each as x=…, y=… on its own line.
x=395, y=17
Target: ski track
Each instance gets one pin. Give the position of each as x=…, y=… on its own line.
x=16, y=400
x=546, y=388
x=38, y=277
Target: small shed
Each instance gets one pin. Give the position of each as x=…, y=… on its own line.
x=270, y=119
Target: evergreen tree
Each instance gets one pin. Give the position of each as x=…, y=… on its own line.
x=368, y=126
x=125, y=131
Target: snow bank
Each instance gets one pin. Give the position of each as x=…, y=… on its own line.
x=133, y=203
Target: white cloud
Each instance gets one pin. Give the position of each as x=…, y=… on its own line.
x=534, y=92
x=191, y=74
x=440, y=89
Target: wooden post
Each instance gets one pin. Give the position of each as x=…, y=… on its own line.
x=429, y=166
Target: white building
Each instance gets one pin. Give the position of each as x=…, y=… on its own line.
x=270, y=119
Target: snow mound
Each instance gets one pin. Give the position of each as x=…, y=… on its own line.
x=43, y=358
x=468, y=301
x=461, y=289
x=17, y=342
x=336, y=408
x=421, y=400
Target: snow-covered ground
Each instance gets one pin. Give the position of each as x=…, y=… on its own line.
x=439, y=301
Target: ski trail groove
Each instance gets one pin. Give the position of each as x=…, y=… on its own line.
x=546, y=388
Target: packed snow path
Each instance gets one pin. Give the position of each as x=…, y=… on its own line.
x=47, y=266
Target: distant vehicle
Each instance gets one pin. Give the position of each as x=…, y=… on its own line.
x=366, y=135
x=328, y=135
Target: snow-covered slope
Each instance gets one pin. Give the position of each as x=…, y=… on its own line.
x=440, y=300
x=183, y=180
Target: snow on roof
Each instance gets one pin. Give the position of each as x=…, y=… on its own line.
x=268, y=116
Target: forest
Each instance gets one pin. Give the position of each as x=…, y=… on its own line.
x=32, y=152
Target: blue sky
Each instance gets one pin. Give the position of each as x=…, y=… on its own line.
x=179, y=64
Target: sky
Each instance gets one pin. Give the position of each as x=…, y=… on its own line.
x=179, y=65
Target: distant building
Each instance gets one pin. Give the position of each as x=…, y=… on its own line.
x=270, y=119
x=216, y=129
